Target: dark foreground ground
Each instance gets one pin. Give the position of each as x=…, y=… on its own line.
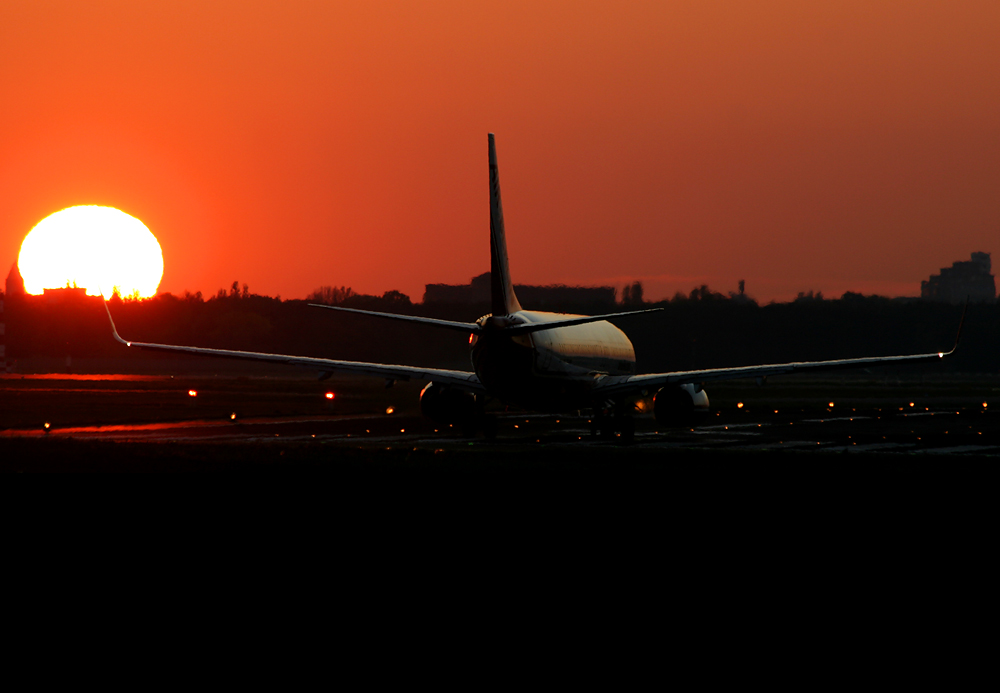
x=891, y=432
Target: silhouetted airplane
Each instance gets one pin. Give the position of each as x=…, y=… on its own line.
x=543, y=361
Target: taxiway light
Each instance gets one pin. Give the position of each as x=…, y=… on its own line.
x=984, y=405
x=911, y=404
x=831, y=404
x=46, y=426
x=329, y=395
x=192, y=393
x=739, y=405
x=389, y=410
x=233, y=416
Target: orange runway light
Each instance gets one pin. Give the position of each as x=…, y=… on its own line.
x=389, y=410
x=233, y=416
x=739, y=405
x=329, y=395
x=192, y=393
x=831, y=404
x=911, y=404
x=46, y=426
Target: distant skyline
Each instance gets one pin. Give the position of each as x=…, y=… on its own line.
x=833, y=146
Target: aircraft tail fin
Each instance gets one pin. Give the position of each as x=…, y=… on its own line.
x=504, y=302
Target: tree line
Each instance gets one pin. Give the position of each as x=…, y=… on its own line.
x=701, y=329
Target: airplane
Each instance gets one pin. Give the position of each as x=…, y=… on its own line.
x=543, y=361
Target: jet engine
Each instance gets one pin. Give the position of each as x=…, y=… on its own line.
x=680, y=405
x=447, y=405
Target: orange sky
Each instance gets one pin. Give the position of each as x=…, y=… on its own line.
x=823, y=145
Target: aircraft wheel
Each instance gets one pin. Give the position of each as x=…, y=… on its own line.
x=469, y=429
x=490, y=427
x=607, y=429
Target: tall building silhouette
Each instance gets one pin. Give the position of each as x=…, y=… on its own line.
x=966, y=279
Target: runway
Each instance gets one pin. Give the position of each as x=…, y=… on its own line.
x=953, y=432
x=238, y=418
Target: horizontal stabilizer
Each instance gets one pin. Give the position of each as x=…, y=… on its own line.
x=433, y=322
x=528, y=328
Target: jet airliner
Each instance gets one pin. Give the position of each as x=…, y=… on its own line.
x=542, y=361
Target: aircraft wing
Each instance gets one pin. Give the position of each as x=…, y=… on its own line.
x=617, y=386
x=462, y=379
x=631, y=385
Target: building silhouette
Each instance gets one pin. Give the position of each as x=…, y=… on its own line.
x=537, y=297
x=969, y=279
x=15, y=283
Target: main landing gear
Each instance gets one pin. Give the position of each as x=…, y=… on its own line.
x=612, y=424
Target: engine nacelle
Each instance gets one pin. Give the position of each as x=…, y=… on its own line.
x=447, y=405
x=680, y=405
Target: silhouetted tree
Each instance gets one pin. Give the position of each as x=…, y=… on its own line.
x=396, y=298
x=632, y=294
x=703, y=293
x=330, y=295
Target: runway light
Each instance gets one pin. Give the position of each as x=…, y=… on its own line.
x=911, y=404
x=46, y=426
x=402, y=430
x=389, y=410
x=739, y=405
x=984, y=405
x=831, y=404
x=233, y=416
x=329, y=395
x=192, y=393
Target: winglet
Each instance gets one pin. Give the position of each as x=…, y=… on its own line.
x=504, y=302
x=960, y=324
x=114, y=330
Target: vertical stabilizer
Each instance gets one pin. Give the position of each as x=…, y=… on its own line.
x=504, y=302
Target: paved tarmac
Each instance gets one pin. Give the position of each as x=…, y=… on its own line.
x=968, y=432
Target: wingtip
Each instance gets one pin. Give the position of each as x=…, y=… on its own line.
x=961, y=323
x=114, y=330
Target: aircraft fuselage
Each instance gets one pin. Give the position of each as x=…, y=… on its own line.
x=551, y=369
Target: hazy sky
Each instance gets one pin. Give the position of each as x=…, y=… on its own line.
x=827, y=145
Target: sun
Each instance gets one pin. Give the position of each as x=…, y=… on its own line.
x=97, y=248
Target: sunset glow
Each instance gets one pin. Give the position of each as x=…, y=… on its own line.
x=831, y=145
x=97, y=248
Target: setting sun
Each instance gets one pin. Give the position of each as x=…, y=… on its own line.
x=97, y=248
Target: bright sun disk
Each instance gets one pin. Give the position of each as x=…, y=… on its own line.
x=96, y=248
